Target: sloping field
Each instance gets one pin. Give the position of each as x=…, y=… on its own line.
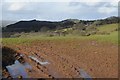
x=66, y=56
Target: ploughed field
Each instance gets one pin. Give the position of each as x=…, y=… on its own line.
x=67, y=57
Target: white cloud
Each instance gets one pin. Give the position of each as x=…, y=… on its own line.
x=92, y=2
x=61, y=0
x=56, y=10
x=16, y=6
x=114, y=3
x=107, y=10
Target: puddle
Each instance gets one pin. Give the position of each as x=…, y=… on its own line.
x=85, y=75
x=18, y=69
x=36, y=60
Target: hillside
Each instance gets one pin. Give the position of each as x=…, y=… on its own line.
x=34, y=25
x=84, y=27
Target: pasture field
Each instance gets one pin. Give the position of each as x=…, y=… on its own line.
x=112, y=38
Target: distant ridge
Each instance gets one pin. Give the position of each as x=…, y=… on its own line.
x=36, y=25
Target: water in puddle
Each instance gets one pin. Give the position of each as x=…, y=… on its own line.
x=35, y=59
x=85, y=75
x=18, y=69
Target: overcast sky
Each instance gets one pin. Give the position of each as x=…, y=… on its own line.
x=55, y=11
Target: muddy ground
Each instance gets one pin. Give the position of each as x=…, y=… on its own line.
x=66, y=58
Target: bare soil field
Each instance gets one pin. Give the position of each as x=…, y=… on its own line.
x=67, y=57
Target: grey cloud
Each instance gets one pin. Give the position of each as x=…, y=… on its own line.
x=54, y=11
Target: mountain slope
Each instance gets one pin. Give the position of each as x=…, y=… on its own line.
x=44, y=26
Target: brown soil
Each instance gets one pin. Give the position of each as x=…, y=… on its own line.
x=66, y=58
